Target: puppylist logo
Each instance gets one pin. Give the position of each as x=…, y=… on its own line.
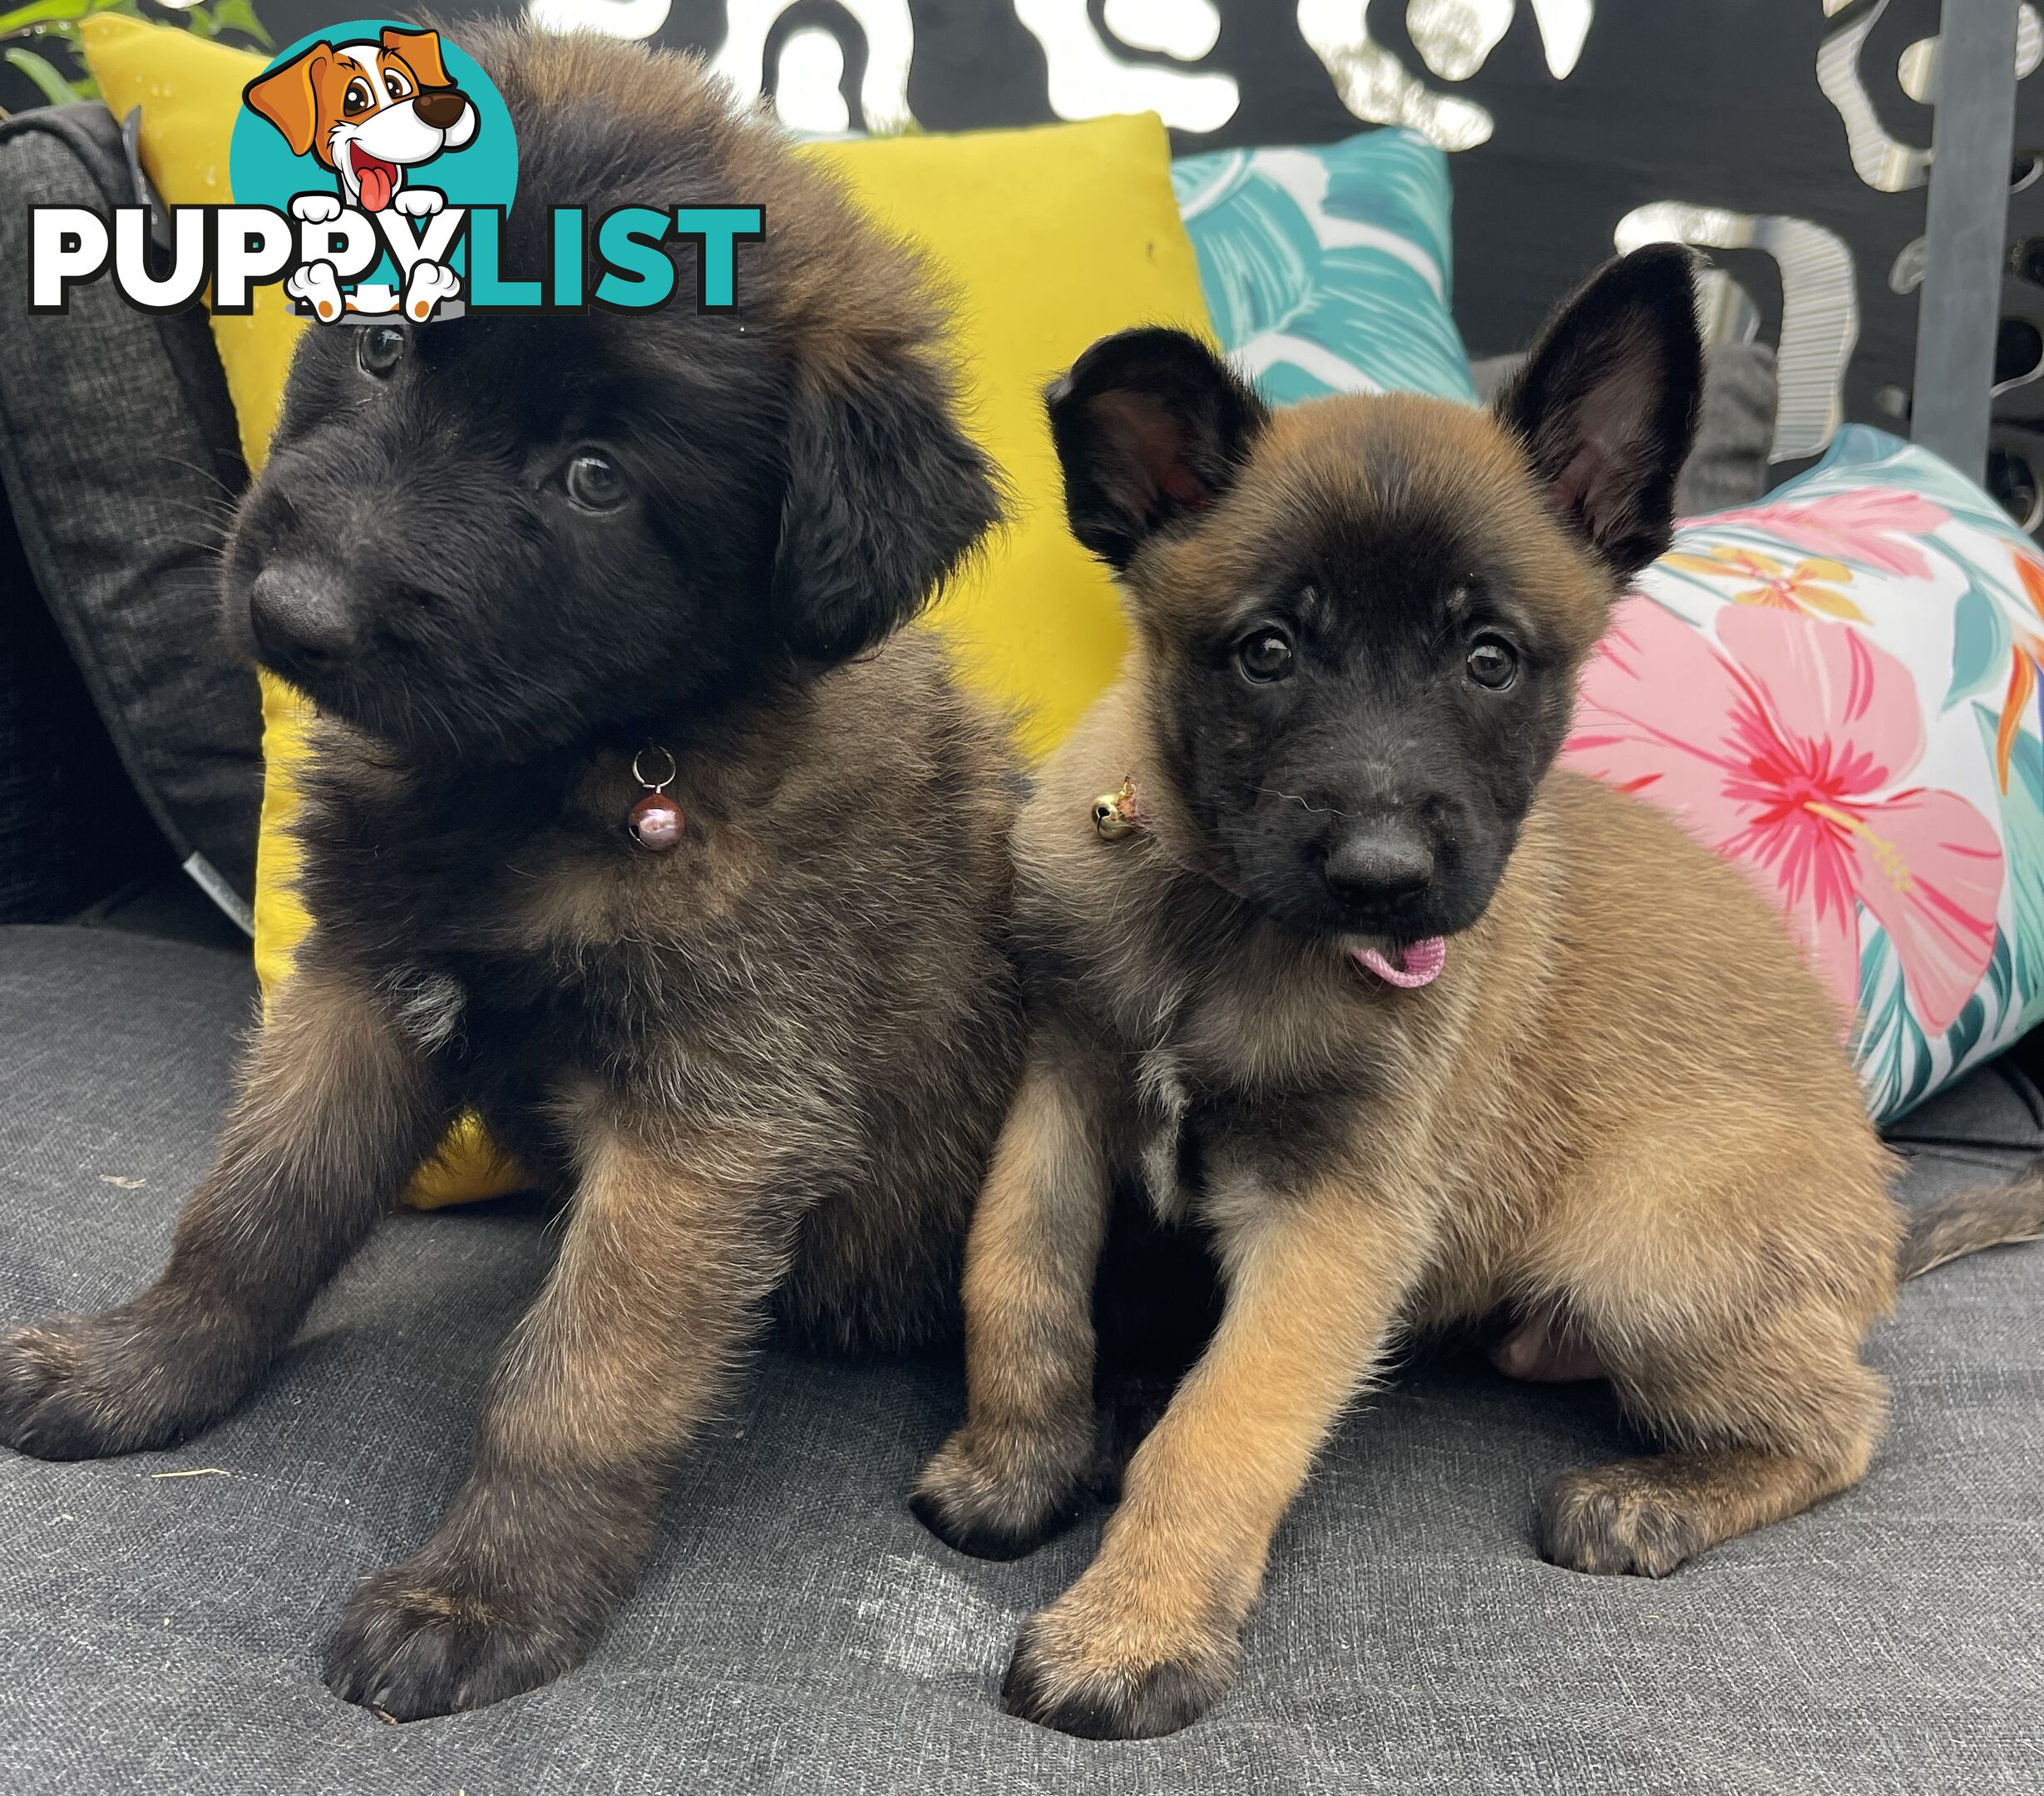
x=359, y=136
x=372, y=166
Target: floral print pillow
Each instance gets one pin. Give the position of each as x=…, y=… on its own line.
x=1329, y=269
x=1838, y=690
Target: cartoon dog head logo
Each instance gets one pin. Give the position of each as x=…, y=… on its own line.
x=370, y=112
x=378, y=140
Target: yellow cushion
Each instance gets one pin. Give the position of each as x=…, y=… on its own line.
x=1049, y=238
x=189, y=90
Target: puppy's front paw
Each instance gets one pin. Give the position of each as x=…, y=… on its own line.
x=131, y=1380
x=418, y=1639
x=316, y=208
x=1610, y=1519
x=419, y=202
x=1001, y=1493
x=1082, y=1668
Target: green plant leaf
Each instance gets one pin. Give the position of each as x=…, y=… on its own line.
x=2002, y=974
x=236, y=15
x=1895, y=1061
x=2022, y=847
x=1964, y=1034
x=1979, y=646
x=13, y=24
x=58, y=90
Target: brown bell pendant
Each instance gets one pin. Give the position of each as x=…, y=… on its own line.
x=655, y=822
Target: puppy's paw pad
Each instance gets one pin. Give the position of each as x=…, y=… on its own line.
x=1612, y=1520
x=1056, y=1681
x=981, y=1502
x=411, y=1645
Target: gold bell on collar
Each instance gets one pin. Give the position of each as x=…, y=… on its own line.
x=1114, y=813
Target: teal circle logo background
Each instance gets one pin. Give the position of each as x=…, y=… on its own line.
x=261, y=170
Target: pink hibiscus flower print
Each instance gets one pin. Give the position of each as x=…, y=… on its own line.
x=1872, y=526
x=1784, y=748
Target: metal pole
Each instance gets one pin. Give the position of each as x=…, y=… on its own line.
x=1965, y=232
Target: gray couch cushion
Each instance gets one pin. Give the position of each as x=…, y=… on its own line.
x=795, y=1629
x=119, y=458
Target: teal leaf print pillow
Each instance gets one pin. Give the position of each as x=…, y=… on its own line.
x=1329, y=269
x=1838, y=689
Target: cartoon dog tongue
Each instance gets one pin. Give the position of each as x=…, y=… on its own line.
x=378, y=179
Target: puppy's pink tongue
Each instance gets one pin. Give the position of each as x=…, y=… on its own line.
x=1418, y=962
x=376, y=184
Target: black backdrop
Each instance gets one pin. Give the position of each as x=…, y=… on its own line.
x=1713, y=102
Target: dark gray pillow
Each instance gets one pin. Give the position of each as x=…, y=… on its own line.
x=119, y=452
x=1729, y=465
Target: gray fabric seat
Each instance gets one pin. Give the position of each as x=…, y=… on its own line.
x=795, y=1629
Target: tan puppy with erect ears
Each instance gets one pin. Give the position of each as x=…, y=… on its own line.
x=1322, y=949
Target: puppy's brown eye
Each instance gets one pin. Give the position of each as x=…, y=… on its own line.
x=379, y=349
x=1266, y=656
x=593, y=482
x=358, y=98
x=1492, y=662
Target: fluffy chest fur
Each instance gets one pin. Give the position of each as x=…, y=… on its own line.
x=773, y=972
x=1245, y=1056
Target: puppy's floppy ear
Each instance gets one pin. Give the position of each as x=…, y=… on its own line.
x=1606, y=404
x=421, y=51
x=884, y=496
x=287, y=97
x=1151, y=426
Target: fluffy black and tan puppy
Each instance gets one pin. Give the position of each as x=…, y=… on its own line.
x=509, y=557
x=1319, y=946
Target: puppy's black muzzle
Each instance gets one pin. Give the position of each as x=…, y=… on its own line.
x=303, y=617
x=1376, y=873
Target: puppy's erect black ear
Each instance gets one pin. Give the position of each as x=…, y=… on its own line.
x=884, y=496
x=1151, y=426
x=1606, y=404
